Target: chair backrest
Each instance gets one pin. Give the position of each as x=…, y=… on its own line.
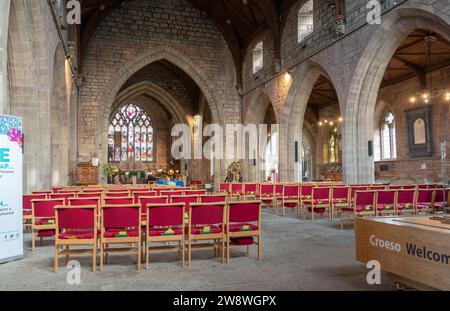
x=440, y=195
x=395, y=187
x=144, y=201
x=116, y=194
x=207, y=213
x=266, y=189
x=224, y=187
x=65, y=196
x=213, y=198
x=291, y=191
x=354, y=189
x=118, y=190
x=195, y=192
x=251, y=188
x=42, y=192
x=237, y=188
x=121, y=216
x=406, y=196
x=425, y=195
x=57, y=189
x=245, y=211
x=187, y=200
x=365, y=198
x=340, y=193
x=321, y=193
x=377, y=187
x=93, y=190
x=76, y=218
x=278, y=189
x=85, y=202
x=172, y=193
x=27, y=198
x=405, y=187
x=119, y=201
x=165, y=215
x=89, y=195
x=45, y=208
x=386, y=197
x=306, y=190
x=138, y=194
x=134, y=190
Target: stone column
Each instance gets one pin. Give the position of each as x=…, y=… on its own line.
x=4, y=23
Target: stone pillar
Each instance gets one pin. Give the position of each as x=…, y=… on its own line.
x=4, y=23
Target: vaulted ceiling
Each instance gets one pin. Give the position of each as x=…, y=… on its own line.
x=238, y=20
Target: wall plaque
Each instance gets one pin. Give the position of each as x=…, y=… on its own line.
x=420, y=139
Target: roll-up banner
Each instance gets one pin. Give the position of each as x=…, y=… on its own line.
x=11, y=214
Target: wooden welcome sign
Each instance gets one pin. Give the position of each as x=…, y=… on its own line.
x=412, y=250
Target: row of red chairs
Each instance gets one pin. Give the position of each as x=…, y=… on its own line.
x=82, y=224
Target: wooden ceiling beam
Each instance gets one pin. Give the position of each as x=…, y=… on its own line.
x=418, y=71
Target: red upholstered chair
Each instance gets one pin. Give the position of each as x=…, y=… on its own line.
x=118, y=201
x=187, y=200
x=93, y=190
x=386, y=202
x=138, y=194
x=134, y=190
x=97, y=195
x=290, y=197
x=43, y=219
x=424, y=202
x=225, y=187
x=165, y=225
x=237, y=189
x=250, y=190
x=379, y=187
x=195, y=192
x=409, y=187
x=405, y=203
x=207, y=223
x=395, y=187
x=320, y=202
x=364, y=204
x=278, y=194
x=73, y=191
x=340, y=197
x=57, y=189
x=28, y=208
x=120, y=224
x=116, y=194
x=65, y=196
x=243, y=225
x=144, y=201
x=215, y=198
x=267, y=194
x=441, y=199
x=354, y=189
x=305, y=193
x=76, y=226
x=116, y=190
x=85, y=202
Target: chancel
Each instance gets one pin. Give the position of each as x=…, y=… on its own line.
x=215, y=145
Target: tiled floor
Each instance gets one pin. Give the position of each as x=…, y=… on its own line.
x=297, y=255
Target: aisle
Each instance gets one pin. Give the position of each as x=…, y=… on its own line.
x=297, y=255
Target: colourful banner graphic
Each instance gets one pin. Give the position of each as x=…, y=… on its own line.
x=11, y=214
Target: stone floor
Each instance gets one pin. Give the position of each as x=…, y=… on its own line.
x=297, y=255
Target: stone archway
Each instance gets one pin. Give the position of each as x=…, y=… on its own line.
x=291, y=129
x=127, y=70
x=255, y=113
x=360, y=107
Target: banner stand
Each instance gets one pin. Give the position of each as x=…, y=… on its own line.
x=11, y=210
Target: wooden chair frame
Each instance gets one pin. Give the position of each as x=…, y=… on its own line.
x=35, y=227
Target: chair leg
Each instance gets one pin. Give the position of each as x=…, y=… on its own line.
x=139, y=255
x=183, y=253
x=147, y=253
x=33, y=240
x=259, y=247
x=94, y=257
x=312, y=215
x=222, y=251
x=67, y=254
x=248, y=250
x=342, y=221
x=189, y=251
x=102, y=256
x=228, y=249
x=56, y=258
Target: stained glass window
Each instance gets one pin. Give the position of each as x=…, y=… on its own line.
x=130, y=135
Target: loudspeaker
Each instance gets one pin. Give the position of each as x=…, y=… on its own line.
x=296, y=152
x=254, y=158
x=185, y=166
x=370, y=147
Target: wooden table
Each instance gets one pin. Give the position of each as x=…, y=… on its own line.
x=414, y=251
